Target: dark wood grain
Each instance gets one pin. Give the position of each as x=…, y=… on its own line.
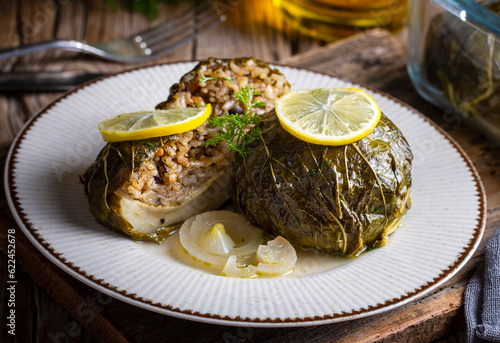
x=376, y=59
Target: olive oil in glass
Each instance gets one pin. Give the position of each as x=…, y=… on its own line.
x=334, y=19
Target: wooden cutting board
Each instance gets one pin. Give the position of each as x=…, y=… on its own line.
x=376, y=59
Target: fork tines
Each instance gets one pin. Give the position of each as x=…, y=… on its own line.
x=169, y=35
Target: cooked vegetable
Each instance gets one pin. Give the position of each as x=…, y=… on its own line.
x=341, y=199
x=126, y=192
x=212, y=237
x=462, y=61
x=146, y=188
x=216, y=241
x=225, y=239
x=276, y=257
x=233, y=269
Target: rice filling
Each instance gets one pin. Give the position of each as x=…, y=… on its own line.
x=183, y=162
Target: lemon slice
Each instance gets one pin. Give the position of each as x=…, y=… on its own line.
x=334, y=116
x=148, y=124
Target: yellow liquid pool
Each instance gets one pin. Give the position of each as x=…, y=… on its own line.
x=308, y=262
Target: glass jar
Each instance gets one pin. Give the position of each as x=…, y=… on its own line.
x=334, y=19
x=454, y=58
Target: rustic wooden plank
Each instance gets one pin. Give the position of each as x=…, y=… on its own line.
x=54, y=323
x=36, y=22
x=70, y=24
x=25, y=311
x=364, y=58
x=83, y=303
x=107, y=24
x=4, y=296
x=424, y=321
x=38, y=317
x=456, y=337
x=183, y=53
x=9, y=36
x=12, y=118
x=32, y=103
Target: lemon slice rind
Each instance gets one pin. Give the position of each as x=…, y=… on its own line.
x=149, y=124
x=335, y=116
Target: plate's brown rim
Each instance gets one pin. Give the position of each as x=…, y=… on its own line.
x=445, y=274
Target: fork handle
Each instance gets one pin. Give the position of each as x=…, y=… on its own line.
x=69, y=45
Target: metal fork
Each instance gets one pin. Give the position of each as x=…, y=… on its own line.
x=143, y=46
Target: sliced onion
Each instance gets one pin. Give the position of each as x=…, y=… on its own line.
x=245, y=236
x=214, y=247
x=233, y=269
x=216, y=241
x=190, y=244
x=277, y=257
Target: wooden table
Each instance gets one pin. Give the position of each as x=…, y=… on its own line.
x=54, y=307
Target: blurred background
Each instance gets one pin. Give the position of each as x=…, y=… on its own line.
x=268, y=30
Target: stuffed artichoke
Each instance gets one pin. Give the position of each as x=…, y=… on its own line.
x=148, y=187
x=339, y=199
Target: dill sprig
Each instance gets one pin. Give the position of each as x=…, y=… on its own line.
x=204, y=79
x=232, y=126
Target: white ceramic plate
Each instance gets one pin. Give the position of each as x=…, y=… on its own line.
x=437, y=237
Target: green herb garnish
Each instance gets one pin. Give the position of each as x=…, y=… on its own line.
x=316, y=91
x=376, y=210
x=232, y=126
x=204, y=79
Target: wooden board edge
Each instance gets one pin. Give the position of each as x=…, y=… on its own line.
x=82, y=305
